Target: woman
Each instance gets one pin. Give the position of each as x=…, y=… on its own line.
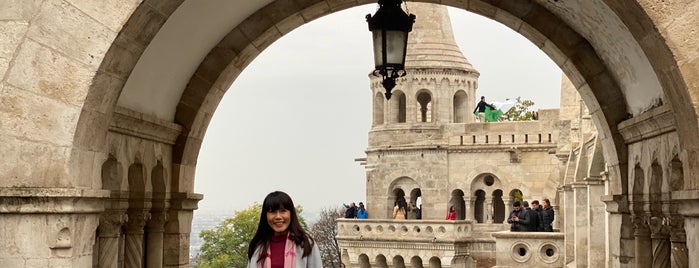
x=399, y=210
x=361, y=212
x=280, y=241
x=451, y=214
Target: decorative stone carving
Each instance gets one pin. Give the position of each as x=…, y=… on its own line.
x=110, y=223
x=660, y=234
x=678, y=238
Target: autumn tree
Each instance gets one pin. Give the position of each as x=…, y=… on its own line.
x=324, y=232
x=520, y=112
x=227, y=244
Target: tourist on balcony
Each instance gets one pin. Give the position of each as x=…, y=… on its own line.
x=399, y=210
x=362, y=213
x=532, y=215
x=518, y=219
x=547, y=215
x=280, y=240
x=536, y=208
x=451, y=214
x=412, y=211
x=480, y=109
x=351, y=211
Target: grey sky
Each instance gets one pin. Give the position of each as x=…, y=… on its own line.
x=296, y=118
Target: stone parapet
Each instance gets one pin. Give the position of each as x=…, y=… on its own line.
x=529, y=249
x=404, y=230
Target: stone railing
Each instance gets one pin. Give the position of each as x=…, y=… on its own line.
x=505, y=133
x=529, y=249
x=404, y=230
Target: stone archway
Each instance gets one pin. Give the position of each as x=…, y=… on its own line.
x=68, y=68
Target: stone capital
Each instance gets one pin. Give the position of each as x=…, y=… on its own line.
x=111, y=223
x=640, y=226
x=658, y=227
x=137, y=220
x=677, y=233
x=157, y=221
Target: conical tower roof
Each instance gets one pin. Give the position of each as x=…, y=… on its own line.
x=431, y=44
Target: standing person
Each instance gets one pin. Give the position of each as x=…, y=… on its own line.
x=518, y=218
x=533, y=225
x=362, y=213
x=547, y=215
x=399, y=210
x=351, y=211
x=412, y=211
x=480, y=109
x=536, y=209
x=280, y=241
x=451, y=214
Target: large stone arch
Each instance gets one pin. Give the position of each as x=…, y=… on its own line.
x=86, y=57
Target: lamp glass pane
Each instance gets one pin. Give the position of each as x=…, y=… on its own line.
x=395, y=46
x=378, y=61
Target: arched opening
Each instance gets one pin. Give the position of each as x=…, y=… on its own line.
x=479, y=209
x=364, y=261
x=415, y=200
x=676, y=175
x=516, y=195
x=378, y=109
x=435, y=262
x=398, y=195
x=398, y=107
x=416, y=262
x=381, y=261
x=398, y=262
x=460, y=106
x=424, y=100
x=111, y=174
x=457, y=200
x=498, y=207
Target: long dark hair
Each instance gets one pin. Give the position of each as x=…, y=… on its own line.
x=274, y=201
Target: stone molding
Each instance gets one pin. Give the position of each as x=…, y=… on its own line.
x=652, y=123
x=135, y=124
x=185, y=201
x=616, y=204
x=51, y=200
x=688, y=202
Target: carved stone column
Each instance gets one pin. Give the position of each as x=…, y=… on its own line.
x=468, y=210
x=154, y=250
x=109, y=230
x=177, y=229
x=133, y=251
x=660, y=235
x=678, y=240
x=488, y=209
x=582, y=220
x=644, y=253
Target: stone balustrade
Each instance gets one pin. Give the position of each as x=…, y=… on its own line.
x=529, y=249
x=404, y=230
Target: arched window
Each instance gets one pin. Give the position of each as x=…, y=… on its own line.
x=111, y=174
x=378, y=109
x=457, y=200
x=435, y=262
x=516, y=195
x=398, y=261
x=638, y=181
x=478, y=210
x=460, y=111
x=416, y=262
x=381, y=261
x=498, y=207
x=397, y=104
x=424, y=113
x=364, y=261
x=416, y=198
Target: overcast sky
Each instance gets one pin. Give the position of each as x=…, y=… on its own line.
x=299, y=115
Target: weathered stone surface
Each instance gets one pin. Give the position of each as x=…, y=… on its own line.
x=111, y=14
x=11, y=34
x=22, y=10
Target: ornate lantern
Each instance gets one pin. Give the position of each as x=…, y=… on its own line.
x=390, y=27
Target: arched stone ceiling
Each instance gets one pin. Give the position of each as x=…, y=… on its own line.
x=166, y=66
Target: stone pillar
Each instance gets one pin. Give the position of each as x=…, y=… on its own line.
x=133, y=251
x=154, y=250
x=597, y=225
x=488, y=210
x=508, y=208
x=109, y=231
x=678, y=239
x=581, y=220
x=569, y=226
x=469, y=209
x=688, y=204
x=619, y=233
x=660, y=235
x=177, y=229
x=644, y=252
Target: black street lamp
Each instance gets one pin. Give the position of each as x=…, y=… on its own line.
x=390, y=27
